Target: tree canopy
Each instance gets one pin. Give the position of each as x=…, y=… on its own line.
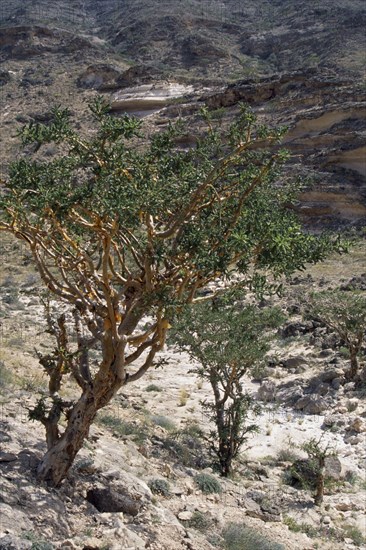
x=125, y=228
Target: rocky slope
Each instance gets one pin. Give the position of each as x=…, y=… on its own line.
x=298, y=65
x=134, y=484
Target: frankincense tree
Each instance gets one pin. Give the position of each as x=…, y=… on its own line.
x=123, y=228
x=227, y=340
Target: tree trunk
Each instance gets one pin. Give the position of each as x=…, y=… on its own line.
x=60, y=456
x=318, y=499
x=352, y=373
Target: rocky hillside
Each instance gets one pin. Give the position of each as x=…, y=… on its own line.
x=214, y=39
x=298, y=64
x=145, y=479
x=137, y=482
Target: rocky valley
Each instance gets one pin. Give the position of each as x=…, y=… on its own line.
x=144, y=477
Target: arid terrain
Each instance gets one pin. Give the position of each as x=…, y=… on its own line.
x=134, y=484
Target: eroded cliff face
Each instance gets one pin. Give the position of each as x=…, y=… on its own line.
x=326, y=117
x=298, y=65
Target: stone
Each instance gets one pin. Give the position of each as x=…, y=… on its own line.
x=99, y=77
x=148, y=96
x=333, y=467
x=250, y=505
x=186, y=515
x=334, y=420
x=106, y=499
x=128, y=484
x=337, y=382
x=311, y=404
x=330, y=374
x=296, y=328
x=67, y=545
x=357, y=425
x=267, y=391
x=163, y=516
x=352, y=404
x=322, y=389
x=344, y=505
x=128, y=539
x=303, y=471
x=7, y=457
x=294, y=362
x=353, y=440
x=11, y=542
x=10, y=516
x=327, y=352
x=5, y=77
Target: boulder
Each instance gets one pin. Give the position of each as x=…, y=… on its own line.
x=127, y=483
x=322, y=389
x=294, y=362
x=7, y=457
x=357, y=425
x=296, y=328
x=11, y=542
x=304, y=472
x=311, y=404
x=106, y=499
x=267, y=391
x=333, y=468
x=4, y=77
x=330, y=374
x=100, y=77
x=185, y=515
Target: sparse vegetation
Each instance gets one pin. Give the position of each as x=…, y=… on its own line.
x=238, y=536
x=200, y=521
x=207, y=484
x=164, y=422
x=122, y=428
x=38, y=543
x=227, y=340
x=352, y=532
x=153, y=388
x=151, y=226
x=345, y=313
x=296, y=527
x=159, y=487
x=287, y=455
x=310, y=473
x=6, y=377
x=183, y=397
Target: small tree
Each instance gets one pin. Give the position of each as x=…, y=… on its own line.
x=121, y=228
x=227, y=342
x=345, y=313
x=318, y=453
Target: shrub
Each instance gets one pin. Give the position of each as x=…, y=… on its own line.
x=164, y=422
x=6, y=376
x=238, y=536
x=121, y=428
x=287, y=455
x=354, y=533
x=183, y=397
x=37, y=542
x=207, y=484
x=227, y=340
x=199, y=521
x=186, y=446
x=153, y=387
x=159, y=487
x=309, y=530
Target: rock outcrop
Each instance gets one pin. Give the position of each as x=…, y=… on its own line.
x=326, y=117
